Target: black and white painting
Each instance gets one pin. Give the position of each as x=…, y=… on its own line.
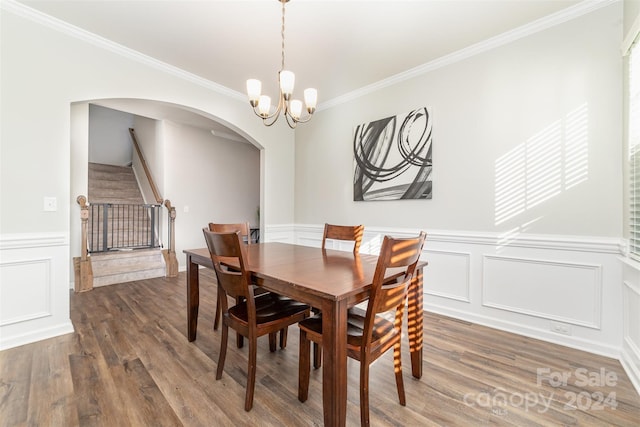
x=392, y=157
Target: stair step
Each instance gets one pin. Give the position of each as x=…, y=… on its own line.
x=129, y=276
x=126, y=266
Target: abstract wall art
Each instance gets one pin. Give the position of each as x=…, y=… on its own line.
x=392, y=157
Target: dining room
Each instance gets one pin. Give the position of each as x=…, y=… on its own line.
x=515, y=161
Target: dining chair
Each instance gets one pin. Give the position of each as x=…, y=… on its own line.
x=351, y=233
x=245, y=234
x=370, y=335
x=252, y=316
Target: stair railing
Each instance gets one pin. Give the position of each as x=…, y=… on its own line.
x=147, y=172
x=169, y=253
x=123, y=226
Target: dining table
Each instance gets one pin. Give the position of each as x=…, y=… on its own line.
x=330, y=280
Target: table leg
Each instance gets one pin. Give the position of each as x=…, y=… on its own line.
x=415, y=318
x=334, y=363
x=193, y=298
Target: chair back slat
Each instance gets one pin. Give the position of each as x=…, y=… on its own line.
x=227, y=247
x=242, y=227
x=352, y=233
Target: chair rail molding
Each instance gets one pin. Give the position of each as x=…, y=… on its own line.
x=458, y=278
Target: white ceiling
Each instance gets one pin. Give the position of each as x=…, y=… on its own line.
x=336, y=46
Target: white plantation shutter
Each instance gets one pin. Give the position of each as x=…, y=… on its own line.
x=634, y=151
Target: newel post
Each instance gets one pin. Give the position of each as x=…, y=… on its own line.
x=82, y=265
x=170, y=253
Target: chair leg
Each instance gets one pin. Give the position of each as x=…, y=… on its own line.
x=223, y=351
x=397, y=365
x=364, y=392
x=303, y=367
x=216, y=320
x=239, y=337
x=272, y=341
x=317, y=355
x=283, y=337
x=251, y=374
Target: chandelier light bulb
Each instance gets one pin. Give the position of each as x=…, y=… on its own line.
x=310, y=99
x=287, y=81
x=264, y=105
x=296, y=108
x=254, y=87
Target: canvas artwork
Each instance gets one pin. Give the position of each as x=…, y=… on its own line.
x=392, y=157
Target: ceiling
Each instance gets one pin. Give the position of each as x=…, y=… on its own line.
x=336, y=46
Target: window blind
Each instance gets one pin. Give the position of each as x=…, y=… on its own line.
x=634, y=151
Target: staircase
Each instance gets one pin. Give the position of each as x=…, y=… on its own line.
x=118, y=185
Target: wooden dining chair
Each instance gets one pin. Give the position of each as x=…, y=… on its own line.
x=370, y=335
x=351, y=233
x=245, y=234
x=252, y=316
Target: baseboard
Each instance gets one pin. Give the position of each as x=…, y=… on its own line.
x=36, y=335
x=524, y=330
x=630, y=365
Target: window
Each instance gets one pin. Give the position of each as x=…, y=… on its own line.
x=634, y=151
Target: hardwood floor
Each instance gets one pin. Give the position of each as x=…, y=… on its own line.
x=129, y=363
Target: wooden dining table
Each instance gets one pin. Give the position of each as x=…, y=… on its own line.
x=327, y=279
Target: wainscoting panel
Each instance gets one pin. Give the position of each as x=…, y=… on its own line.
x=447, y=274
x=631, y=336
x=544, y=288
x=34, y=288
x=33, y=301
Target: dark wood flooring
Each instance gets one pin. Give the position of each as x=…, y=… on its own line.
x=129, y=364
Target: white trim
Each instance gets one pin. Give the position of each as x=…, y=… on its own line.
x=96, y=40
x=467, y=297
x=630, y=365
x=527, y=331
x=541, y=24
x=36, y=335
x=597, y=269
x=605, y=245
x=32, y=240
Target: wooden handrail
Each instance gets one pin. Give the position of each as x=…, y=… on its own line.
x=147, y=172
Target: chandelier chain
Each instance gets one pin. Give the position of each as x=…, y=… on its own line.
x=282, y=33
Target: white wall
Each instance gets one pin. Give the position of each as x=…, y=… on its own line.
x=208, y=179
x=631, y=269
x=550, y=263
x=109, y=139
x=565, y=80
x=46, y=66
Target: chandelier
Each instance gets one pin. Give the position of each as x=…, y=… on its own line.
x=291, y=108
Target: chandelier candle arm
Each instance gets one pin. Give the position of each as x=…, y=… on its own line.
x=291, y=108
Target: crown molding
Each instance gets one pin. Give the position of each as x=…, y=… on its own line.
x=573, y=12
x=96, y=40
x=580, y=9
